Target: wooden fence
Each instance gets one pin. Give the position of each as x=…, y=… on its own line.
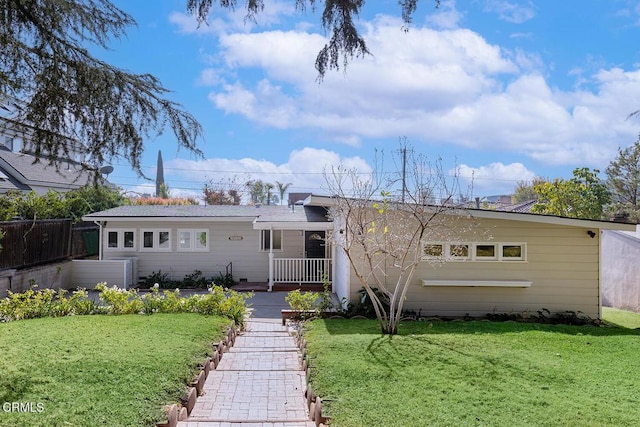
x=30, y=243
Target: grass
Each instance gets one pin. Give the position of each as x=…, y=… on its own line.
x=475, y=374
x=622, y=318
x=100, y=370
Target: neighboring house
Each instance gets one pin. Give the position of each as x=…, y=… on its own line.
x=18, y=167
x=19, y=171
x=522, y=263
x=621, y=270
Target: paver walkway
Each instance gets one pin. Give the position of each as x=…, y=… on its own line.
x=258, y=383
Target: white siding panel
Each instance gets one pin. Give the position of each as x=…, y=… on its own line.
x=88, y=273
x=234, y=242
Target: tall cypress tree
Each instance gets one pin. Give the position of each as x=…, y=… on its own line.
x=160, y=185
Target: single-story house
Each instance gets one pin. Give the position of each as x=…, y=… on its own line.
x=263, y=244
x=524, y=262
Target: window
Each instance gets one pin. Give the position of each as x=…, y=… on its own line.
x=459, y=250
x=147, y=239
x=163, y=240
x=120, y=239
x=201, y=240
x=512, y=251
x=265, y=240
x=485, y=251
x=508, y=252
x=8, y=142
x=128, y=239
x=433, y=250
x=184, y=240
x=156, y=240
x=193, y=240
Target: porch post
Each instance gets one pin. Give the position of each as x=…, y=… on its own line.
x=270, y=259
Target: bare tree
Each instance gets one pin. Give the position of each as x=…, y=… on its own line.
x=384, y=238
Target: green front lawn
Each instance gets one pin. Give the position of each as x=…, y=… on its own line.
x=100, y=370
x=475, y=374
x=622, y=318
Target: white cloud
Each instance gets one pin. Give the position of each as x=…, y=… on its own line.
x=511, y=11
x=222, y=21
x=304, y=169
x=439, y=87
x=495, y=177
x=447, y=16
x=411, y=75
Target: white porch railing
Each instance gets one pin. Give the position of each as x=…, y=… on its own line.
x=301, y=270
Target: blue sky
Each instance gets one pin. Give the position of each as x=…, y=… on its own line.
x=504, y=89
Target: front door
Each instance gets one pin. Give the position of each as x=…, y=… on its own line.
x=314, y=244
x=314, y=248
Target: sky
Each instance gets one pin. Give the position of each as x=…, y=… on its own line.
x=500, y=90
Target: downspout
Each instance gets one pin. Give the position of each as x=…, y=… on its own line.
x=270, y=258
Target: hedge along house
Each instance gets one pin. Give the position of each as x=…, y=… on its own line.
x=267, y=245
x=507, y=262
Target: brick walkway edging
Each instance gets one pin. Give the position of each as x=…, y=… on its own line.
x=181, y=412
x=314, y=403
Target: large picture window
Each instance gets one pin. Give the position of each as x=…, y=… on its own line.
x=155, y=240
x=193, y=240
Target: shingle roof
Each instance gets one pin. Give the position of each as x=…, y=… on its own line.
x=22, y=167
x=260, y=214
x=524, y=207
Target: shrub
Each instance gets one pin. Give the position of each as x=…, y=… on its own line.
x=195, y=280
x=159, y=278
x=301, y=301
x=44, y=303
x=222, y=302
x=224, y=280
x=120, y=301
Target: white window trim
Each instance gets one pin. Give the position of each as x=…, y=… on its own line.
x=445, y=248
x=523, y=252
x=156, y=239
x=193, y=236
x=456, y=257
x=474, y=254
x=447, y=256
x=120, y=232
x=262, y=242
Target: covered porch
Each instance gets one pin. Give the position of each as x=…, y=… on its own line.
x=298, y=248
